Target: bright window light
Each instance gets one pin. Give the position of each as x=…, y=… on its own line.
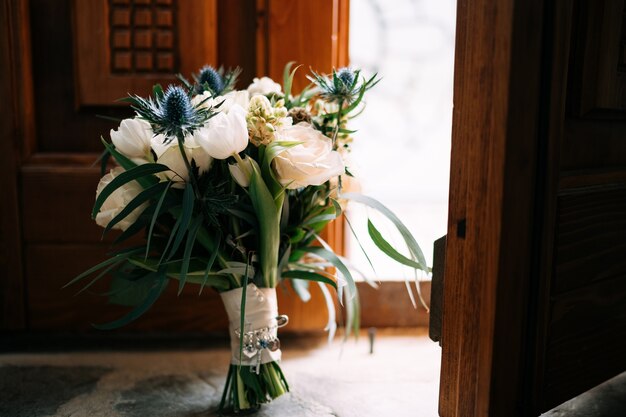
x=401, y=155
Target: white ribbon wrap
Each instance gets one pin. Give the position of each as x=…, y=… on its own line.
x=261, y=312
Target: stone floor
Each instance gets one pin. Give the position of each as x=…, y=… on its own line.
x=342, y=380
x=605, y=400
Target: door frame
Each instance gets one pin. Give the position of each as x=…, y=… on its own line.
x=497, y=207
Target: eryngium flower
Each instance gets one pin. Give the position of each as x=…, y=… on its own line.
x=170, y=113
x=344, y=86
x=215, y=81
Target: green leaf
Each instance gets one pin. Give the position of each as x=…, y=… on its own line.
x=387, y=248
x=268, y=214
x=104, y=161
x=191, y=239
x=125, y=177
x=288, y=75
x=115, y=259
x=185, y=218
x=159, y=283
x=337, y=263
x=359, y=243
x=244, y=215
x=102, y=273
x=242, y=321
x=157, y=91
x=196, y=275
x=301, y=287
x=207, y=270
x=268, y=154
x=155, y=216
x=309, y=276
x=141, y=198
x=125, y=162
x=130, y=293
x=331, y=325
x=414, y=249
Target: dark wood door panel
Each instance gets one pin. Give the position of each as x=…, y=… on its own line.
x=586, y=339
x=57, y=203
x=590, y=237
x=60, y=125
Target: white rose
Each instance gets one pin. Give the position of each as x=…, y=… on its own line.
x=264, y=86
x=169, y=155
x=311, y=163
x=133, y=138
x=224, y=134
x=204, y=100
x=117, y=201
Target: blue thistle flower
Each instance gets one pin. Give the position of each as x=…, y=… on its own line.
x=346, y=75
x=344, y=86
x=215, y=81
x=176, y=107
x=170, y=113
x=210, y=79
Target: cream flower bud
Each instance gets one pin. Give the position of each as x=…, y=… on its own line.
x=264, y=86
x=313, y=162
x=132, y=138
x=224, y=134
x=116, y=202
x=260, y=105
x=241, y=171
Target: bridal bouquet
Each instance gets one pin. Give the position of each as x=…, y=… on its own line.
x=231, y=189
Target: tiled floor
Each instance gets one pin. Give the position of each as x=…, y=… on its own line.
x=343, y=380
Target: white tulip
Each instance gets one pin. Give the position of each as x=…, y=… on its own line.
x=204, y=100
x=241, y=171
x=264, y=86
x=224, y=134
x=133, y=138
x=313, y=162
x=169, y=155
x=117, y=201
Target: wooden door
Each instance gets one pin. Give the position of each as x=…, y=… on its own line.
x=63, y=62
x=534, y=304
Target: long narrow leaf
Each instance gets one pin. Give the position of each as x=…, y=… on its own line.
x=337, y=263
x=358, y=241
x=185, y=218
x=191, y=240
x=115, y=259
x=387, y=249
x=309, y=276
x=268, y=214
x=301, y=287
x=412, y=245
x=159, y=285
x=207, y=270
x=331, y=326
x=155, y=216
x=141, y=198
x=125, y=177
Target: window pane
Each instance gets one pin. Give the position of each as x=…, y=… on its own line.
x=401, y=155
